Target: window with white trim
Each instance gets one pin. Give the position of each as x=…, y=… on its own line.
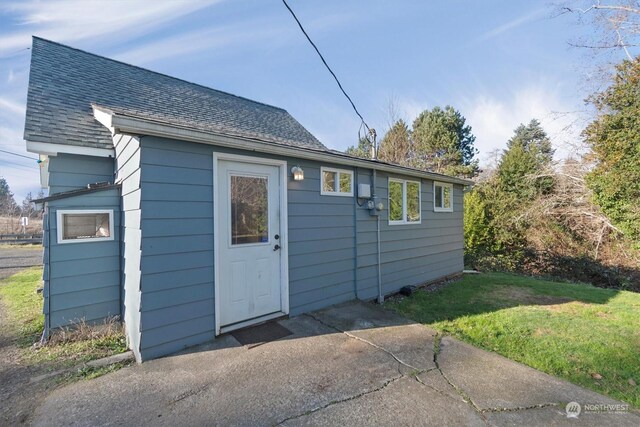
x=442, y=197
x=336, y=182
x=76, y=226
x=404, y=201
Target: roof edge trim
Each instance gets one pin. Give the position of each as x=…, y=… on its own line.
x=51, y=149
x=142, y=126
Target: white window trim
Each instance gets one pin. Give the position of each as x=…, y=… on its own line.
x=443, y=185
x=338, y=173
x=404, y=201
x=59, y=225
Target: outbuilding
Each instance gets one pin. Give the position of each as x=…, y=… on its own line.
x=190, y=212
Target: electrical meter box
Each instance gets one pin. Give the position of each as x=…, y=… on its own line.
x=364, y=191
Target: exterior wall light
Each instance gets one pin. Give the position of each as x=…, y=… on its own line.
x=298, y=173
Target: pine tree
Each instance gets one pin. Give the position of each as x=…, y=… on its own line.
x=362, y=150
x=443, y=143
x=8, y=205
x=521, y=167
x=395, y=147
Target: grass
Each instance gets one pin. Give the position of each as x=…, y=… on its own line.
x=24, y=305
x=66, y=347
x=586, y=335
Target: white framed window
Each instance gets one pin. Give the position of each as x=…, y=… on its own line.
x=336, y=182
x=404, y=202
x=75, y=226
x=442, y=197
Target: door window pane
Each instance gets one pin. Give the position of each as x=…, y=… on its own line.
x=85, y=226
x=249, y=210
x=395, y=201
x=413, y=202
x=329, y=181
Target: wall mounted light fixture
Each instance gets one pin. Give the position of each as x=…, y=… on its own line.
x=297, y=173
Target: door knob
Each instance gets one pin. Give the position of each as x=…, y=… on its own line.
x=277, y=236
x=276, y=247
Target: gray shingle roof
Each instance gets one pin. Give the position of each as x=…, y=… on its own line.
x=65, y=82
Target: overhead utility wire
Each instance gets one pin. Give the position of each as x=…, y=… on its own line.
x=327, y=65
x=19, y=155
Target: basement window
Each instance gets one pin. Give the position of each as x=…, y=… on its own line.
x=442, y=197
x=404, y=202
x=336, y=182
x=76, y=226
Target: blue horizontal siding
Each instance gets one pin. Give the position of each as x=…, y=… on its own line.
x=70, y=171
x=83, y=277
x=168, y=210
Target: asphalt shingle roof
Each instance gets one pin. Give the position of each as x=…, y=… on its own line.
x=65, y=82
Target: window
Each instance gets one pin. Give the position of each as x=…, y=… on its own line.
x=336, y=182
x=404, y=201
x=84, y=225
x=442, y=197
x=249, y=209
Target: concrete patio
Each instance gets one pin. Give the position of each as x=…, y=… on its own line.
x=354, y=364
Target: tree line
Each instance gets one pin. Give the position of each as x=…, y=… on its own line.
x=577, y=219
x=10, y=208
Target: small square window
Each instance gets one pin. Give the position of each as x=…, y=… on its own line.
x=336, y=182
x=84, y=225
x=404, y=202
x=442, y=197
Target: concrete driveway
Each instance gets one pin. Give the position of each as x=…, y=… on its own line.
x=354, y=364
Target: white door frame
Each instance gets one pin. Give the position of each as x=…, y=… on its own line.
x=284, y=240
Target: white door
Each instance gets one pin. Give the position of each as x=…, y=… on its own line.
x=249, y=241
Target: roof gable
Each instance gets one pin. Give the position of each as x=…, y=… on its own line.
x=64, y=83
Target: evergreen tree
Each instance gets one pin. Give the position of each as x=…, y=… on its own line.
x=362, y=150
x=528, y=154
x=395, y=147
x=443, y=143
x=614, y=138
x=8, y=205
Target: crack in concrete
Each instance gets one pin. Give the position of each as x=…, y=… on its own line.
x=187, y=394
x=520, y=408
x=396, y=358
x=415, y=373
x=437, y=342
x=346, y=399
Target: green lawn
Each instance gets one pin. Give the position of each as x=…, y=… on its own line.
x=66, y=347
x=587, y=335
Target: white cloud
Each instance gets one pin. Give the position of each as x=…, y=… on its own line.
x=194, y=41
x=511, y=25
x=73, y=20
x=264, y=31
x=9, y=106
x=494, y=119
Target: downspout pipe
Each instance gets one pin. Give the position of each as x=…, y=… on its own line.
x=47, y=284
x=380, y=298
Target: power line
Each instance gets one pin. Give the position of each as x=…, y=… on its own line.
x=19, y=155
x=327, y=65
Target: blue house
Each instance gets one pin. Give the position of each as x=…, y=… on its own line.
x=190, y=212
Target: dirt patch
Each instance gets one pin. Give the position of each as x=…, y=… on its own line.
x=540, y=332
x=524, y=296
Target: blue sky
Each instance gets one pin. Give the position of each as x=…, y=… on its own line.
x=499, y=62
